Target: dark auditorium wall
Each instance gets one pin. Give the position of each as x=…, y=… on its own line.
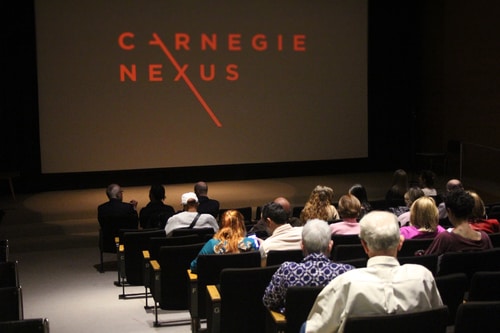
x=433, y=77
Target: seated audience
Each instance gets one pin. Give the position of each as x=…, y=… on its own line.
x=349, y=210
x=316, y=269
x=359, y=192
x=206, y=205
x=478, y=220
x=383, y=287
x=411, y=195
x=451, y=185
x=320, y=205
x=260, y=228
x=424, y=220
x=156, y=213
x=461, y=237
x=231, y=238
x=395, y=195
x=189, y=217
x=283, y=235
x=115, y=205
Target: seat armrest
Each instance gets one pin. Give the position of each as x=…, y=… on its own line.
x=214, y=309
x=145, y=268
x=193, y=294
x=276, y=322
x=121, y=261
x=155, y=271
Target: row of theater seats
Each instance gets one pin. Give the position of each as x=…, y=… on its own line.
x=11, y=299
x=235, y=283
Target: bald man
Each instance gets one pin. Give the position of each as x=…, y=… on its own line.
x=262, y=230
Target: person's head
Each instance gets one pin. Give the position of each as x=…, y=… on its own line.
x=316, y=237
x=400, y=178
x=349, y=206
x=413, y=194
x=274, y=215
x=285, y=204
x=379, y=234
x=479, y=210
x=114, y=191
x=427, y=178
x=454, y=184
x=359, y=192
x=189, y=201
x=201, y=188
x=459, y=204
x=157, y=192
x=232, y=223
x=322, y=194
x=424, y=213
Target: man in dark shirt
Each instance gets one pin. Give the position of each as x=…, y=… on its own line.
x=156, y=213
x=205, y=204
x=115, y=206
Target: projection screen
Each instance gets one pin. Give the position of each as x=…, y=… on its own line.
x=127, y=85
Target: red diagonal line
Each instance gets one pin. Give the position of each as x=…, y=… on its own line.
x=157, y=41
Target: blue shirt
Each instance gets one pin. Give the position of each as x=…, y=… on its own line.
x=315, y=269
x=246, y=244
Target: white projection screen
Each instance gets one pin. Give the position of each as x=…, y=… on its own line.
x=127, y=85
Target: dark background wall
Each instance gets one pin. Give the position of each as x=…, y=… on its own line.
x=433, y=78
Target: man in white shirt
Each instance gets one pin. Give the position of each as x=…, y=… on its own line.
x=184, y=219
x=283, y=235
x=384, y=286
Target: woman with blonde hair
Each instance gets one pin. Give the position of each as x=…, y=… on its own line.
x=231, y=237
x=349, y=210
x=320, y=205
x=424, y=220
x=479, y=220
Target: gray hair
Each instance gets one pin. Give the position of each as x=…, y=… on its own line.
x=380, y=230
x=113, y=190
x=316, y=236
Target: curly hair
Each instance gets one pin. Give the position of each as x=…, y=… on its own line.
x=231, y=231
x=319, y=205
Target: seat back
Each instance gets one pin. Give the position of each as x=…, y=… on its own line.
x=452, y=289
x=484, y=286
x=412, y=245
x=241, y=292
x=430, y=261
x=299, y=301
x=203, y=233
x=155, y=243
x=348, y=251
x=9, y=274
x=339, y=239
x=478, y=317
x=134, y=242
x=4, y=250
x=428, y=321
x=277, y=257
x=495, y=239
x=209, y=269
x=171, y=288
x=110, y=227
x=469, y=262
x=32, y=325
x=11, y=303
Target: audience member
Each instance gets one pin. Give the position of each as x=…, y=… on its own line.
x=424, y=220
x=451, y=185
x=395, y=195
x=426, y=180
x=479, y=220
x=383, y=287
x=359, y=192
x=156, y=213
x=190, y=217
x=316, y=269
x=411, y=195
x=115, y=205
x=231, y=238
x=206, y=205
x=320, y=205
x=283, y=235
x=349, y=210
x=462, y=237
x=260, y=228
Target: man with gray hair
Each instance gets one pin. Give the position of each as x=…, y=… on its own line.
x=316, y=269
x=115, y=206
x=383, y=287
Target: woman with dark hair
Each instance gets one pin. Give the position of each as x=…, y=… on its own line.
x=395, y=197
x=359, y=192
